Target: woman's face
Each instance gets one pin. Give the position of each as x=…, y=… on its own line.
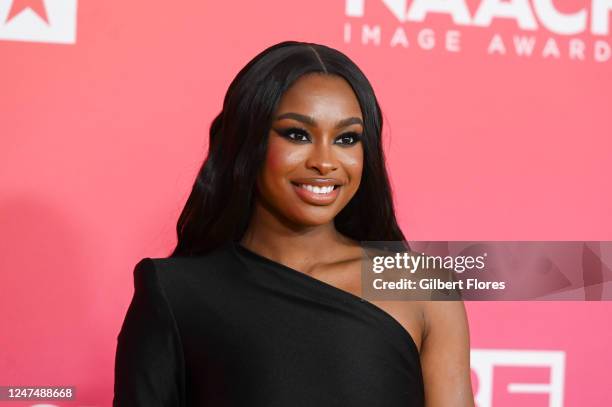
x=314, y=159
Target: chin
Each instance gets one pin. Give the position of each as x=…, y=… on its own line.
x=313, y=220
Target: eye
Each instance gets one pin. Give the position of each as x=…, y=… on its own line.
x=295, y=134
x=350, y=137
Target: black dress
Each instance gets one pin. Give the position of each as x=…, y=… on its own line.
x=234, y=328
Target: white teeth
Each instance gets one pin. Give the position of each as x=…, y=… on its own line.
x=318, y=190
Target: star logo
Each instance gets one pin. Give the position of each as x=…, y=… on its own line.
x=37, y=6
x=50, y=21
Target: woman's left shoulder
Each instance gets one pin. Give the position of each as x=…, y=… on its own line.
x=444, y=316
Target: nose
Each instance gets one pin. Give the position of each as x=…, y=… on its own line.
x=322, y=158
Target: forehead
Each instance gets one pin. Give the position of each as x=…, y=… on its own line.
x=320, y=95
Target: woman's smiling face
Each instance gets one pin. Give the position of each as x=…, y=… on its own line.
x=314, y=158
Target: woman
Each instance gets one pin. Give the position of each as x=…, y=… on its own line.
x=259, y=304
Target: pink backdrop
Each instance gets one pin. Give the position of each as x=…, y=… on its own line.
x=104, y=113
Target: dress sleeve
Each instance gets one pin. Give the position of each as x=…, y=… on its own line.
x=149, y=364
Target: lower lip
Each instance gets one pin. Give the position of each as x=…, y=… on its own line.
x=314, y=198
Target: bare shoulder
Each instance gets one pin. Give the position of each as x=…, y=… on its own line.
x=444, y=316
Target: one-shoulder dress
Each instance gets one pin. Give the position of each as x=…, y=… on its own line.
x=235, y=328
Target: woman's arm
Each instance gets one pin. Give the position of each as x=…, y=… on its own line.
x=445, y=355
x=149, y=364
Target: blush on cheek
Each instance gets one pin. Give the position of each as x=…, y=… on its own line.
x=353, y=159
x=274, y=156
x=355, y=167
x=281, y=158
x=274, y=160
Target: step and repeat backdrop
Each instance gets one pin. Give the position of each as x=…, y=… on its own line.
x=498, y=126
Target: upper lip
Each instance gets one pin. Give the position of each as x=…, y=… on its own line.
x=320, y=182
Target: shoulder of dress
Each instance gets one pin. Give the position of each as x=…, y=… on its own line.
x=215, y=259
x=186, y=281
x=179, y=270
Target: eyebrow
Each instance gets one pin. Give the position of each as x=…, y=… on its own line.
x=312, y=122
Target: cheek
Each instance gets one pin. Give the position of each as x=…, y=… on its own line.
x=274, y=158
x=281, y=161
x=280, y=157
x=353, y=163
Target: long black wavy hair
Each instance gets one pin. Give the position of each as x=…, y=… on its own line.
x=220, y=205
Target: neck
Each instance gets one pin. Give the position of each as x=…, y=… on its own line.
x=282, y=240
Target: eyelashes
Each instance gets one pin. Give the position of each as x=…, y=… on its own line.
x=301, y=136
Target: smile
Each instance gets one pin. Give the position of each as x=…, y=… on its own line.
x=316, y=189
x=317, y=195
